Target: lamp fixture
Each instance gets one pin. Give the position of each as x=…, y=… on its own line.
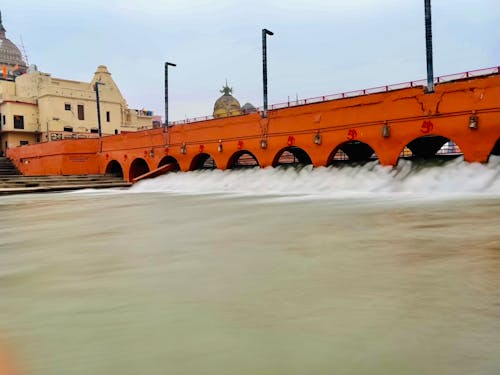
x=386, y=130
x=318, y=138
x=473, y=122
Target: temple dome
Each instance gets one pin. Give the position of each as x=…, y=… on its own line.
x=226, y=105
x=9, y=53
x=248, y=108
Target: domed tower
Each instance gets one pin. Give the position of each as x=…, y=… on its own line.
x=11, y=59
x=226, y=105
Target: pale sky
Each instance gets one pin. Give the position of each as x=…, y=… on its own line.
x=320, y=47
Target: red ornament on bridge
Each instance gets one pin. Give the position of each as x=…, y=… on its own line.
x=427, y=127
x=352, y=134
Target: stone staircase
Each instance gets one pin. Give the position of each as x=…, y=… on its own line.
x=7, y=168
x=13, y=182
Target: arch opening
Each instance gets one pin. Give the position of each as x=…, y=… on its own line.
x=496, y=148
x=138, y=168
x=114, y=168
x=170, y=160
x=291, y=156
x=431, y=147
x=242, y=159
x=202, y=161
x=352, y=152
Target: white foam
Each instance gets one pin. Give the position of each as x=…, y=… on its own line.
x=408, y=178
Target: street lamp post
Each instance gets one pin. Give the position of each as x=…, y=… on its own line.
x=265, y=33
x=428, y=46
x=96, y=89
x=167, y=64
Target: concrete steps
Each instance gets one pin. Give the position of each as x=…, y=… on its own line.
x=13, y=182
x=7, y=168
x=39, y=184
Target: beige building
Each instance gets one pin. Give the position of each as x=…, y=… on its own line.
x=36, y=107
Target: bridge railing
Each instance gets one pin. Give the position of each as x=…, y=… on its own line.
x=355, y=93
x=190, y=120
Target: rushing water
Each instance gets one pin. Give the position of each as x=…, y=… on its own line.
x=365, y=270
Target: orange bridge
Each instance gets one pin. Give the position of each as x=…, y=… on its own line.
x=384, y=123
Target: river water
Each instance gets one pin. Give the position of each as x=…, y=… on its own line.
x=360, y=270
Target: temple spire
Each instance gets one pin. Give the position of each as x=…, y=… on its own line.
x=226, y=90
x=2, y=29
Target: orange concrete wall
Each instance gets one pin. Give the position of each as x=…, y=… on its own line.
x=64, y=157
x=405, y=111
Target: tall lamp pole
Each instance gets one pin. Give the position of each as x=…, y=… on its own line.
x=167, y=64
x=96, y=89
x=265, y=33
x=428, y=46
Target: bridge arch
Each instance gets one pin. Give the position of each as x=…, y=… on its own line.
x=352, y=151
x=137, y=168
x=169, y=160
x=291, y=155
x=431, y=146
x=242, y=159
x=114, y=168
x=496, y=149
x=202, y=161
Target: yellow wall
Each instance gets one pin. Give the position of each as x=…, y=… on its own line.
x=7, y=89
x=10, y=140
x=27, y=110
x=44, y=106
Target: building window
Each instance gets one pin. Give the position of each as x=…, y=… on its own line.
x=81, y=114
x=94, y=130
x=18, y=122
x=23, y=143
x=67, y=107
x=108, y=116
x=4, y=121
x=68, y=128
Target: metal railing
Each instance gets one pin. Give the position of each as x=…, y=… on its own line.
x=355, y=93
x=63, y=135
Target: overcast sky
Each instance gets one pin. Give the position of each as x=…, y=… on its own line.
x=320, y=47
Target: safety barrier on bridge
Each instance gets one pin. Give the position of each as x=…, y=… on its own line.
x=351, y=94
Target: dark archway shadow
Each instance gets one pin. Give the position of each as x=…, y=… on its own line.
x=169, y=160
x=352, y=153
x=291, y=156
x=242, y=159
x=496, y=149
x=138, y=168
x=431, y=147
x=202, y=161
x=114, y=168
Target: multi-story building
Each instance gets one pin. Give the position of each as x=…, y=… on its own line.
x=36, y=107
